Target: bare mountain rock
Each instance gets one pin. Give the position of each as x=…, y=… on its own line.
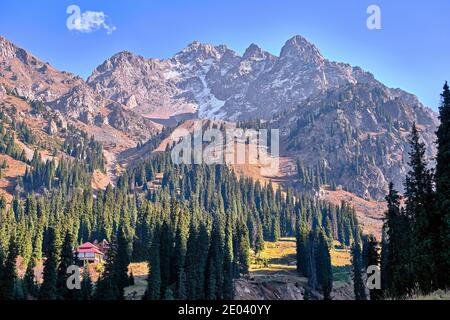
x=217, y=83
x=29, y=78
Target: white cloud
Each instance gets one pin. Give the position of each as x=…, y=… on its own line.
x=87, y=21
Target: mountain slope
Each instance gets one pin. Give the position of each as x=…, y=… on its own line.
x=359, y=133
x=25, y=76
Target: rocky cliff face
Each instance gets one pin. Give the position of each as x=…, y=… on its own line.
x=360, y=133
x=31, y=77
x=217, y=83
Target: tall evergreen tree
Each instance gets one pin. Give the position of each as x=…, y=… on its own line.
x=358, y=283
x=214, y=267
x=47, y=290
x=153, y=291
x=122, y=262
x=373, y=259
x=397, y=271
x=181, y=290
x=29, y=280
x=66, y=260
x=107, y=287
x=86, y=285
x=302, y=249
x=420, y=210
x=8, y=288
x=442, y=178
x=228, y=284
x=323, y=267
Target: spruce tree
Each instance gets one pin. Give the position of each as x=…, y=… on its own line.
x=421, y=212
x=323, y=267
x=397, y=271
x=181, y=291
x=214, y=267
x=373, y=259
x=47, y=290
x=107, y=287
x=153, y=291
x=66, y=260
x=302, y=249
x=8, y=288
x=242, y=254
x=442, y=179
x=358, y=283
x=86, y=284
x=29, y=280
x=228, y=284
x=165, y=254
x=122, y=262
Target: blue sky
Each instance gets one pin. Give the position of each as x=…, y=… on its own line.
x=411, y=51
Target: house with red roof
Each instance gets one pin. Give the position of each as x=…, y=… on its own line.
x=89, y=252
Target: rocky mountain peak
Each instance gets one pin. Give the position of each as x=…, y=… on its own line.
x=10, y=51
x=254, y=52
x=200, y=51
x=299, y=48
x=7, y=49
x=117, y=61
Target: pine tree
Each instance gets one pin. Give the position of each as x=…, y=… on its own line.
x=30, y=286
x=396, y=268
x=107, y=287
x=8, y=288
x=420, y=210
x=228, y=284
x=86, y=284
x=358, y=283
x=302, y=249
x=373, y=259
x=323, y=267
x=153, y=291
x=66, y=260
x=242, y=254
x=181, y=292
x=48, y=288
x=165, y=254
x=259, y=241
x=122, y=262
x=214, y=267
x=442, y=179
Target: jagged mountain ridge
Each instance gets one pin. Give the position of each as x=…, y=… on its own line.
x=217, y=83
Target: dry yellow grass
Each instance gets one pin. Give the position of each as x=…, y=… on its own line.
x=340, y=258
x=140, y=273
x=276, y=257
x=139, y=269
x=280, y=256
